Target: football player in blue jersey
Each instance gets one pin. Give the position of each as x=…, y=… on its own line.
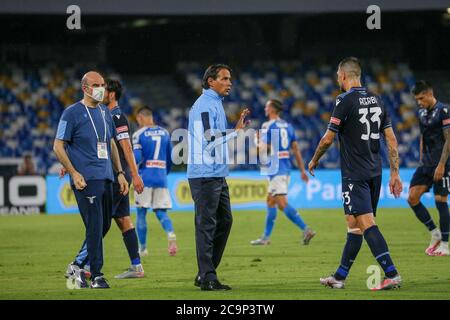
x=434, y=170
x=152, y=150
x=360, y=118
x=278, y=138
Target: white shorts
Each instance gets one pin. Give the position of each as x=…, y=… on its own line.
x=155, y=198
x=278, y=185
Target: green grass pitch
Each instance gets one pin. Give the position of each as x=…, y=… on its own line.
x=35, y=250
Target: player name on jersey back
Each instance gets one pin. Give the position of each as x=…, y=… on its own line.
x=367, y=101
x=158, y=132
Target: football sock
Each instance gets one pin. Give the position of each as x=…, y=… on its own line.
x=444, y=219
x=270, y=221
x=131, y=242
x=424, y=216
x=141, y=226
x=293, y=215
x=351, y=249
x=380, y=250
x=164, y=219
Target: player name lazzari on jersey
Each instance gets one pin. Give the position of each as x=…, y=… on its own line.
x=432, y=123
x=359, y=118
x=152, y=149
x=279, y=134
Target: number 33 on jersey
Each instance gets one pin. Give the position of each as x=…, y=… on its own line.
x=358, y=118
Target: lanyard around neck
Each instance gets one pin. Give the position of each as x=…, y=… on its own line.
x=92, y=121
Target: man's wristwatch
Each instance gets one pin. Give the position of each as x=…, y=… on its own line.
x=121, y=172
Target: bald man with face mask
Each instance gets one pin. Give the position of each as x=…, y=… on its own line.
x=85, y=146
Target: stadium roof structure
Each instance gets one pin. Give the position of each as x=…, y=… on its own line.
x=208, y=7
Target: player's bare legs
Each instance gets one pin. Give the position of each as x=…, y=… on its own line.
x=124, y=223
x=364, y=221
x=270, y=201
x=414, y=195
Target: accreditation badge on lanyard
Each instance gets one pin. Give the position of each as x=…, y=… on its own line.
x=102, y=150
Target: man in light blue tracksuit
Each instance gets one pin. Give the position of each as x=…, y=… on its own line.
x=207, y=169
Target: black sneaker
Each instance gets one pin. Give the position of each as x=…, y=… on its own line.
x=99, y=283
x=197, y=281
x=214, y=285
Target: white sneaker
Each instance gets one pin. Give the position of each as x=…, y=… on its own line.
x=307, y=236
x=143, y=252
x=434, y=243
x=389, y=283
x=135, y=271
x=332, y=282
x=260, y=242
x=71, y=270
x=442, y=250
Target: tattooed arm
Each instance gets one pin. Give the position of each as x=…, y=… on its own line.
x=439, y=172
x=391, y=141
x=324, y=144
x=395, y=184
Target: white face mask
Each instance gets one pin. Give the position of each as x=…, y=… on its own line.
x=98, y=93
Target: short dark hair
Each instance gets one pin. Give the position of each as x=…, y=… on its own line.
x=213, y=72
x=146, y=111
x=114, y=86
x=351, y=65
x=277, y=104
x=421, y=86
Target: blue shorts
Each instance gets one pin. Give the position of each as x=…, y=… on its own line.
x=424, y=176
x=361, y=196
x=121, y=203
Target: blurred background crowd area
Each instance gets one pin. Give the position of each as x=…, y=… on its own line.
x=161, y=61
x=31, y=103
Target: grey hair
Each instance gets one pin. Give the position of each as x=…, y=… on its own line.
x=351, y=66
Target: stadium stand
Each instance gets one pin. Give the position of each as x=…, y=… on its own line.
x=31, y=104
